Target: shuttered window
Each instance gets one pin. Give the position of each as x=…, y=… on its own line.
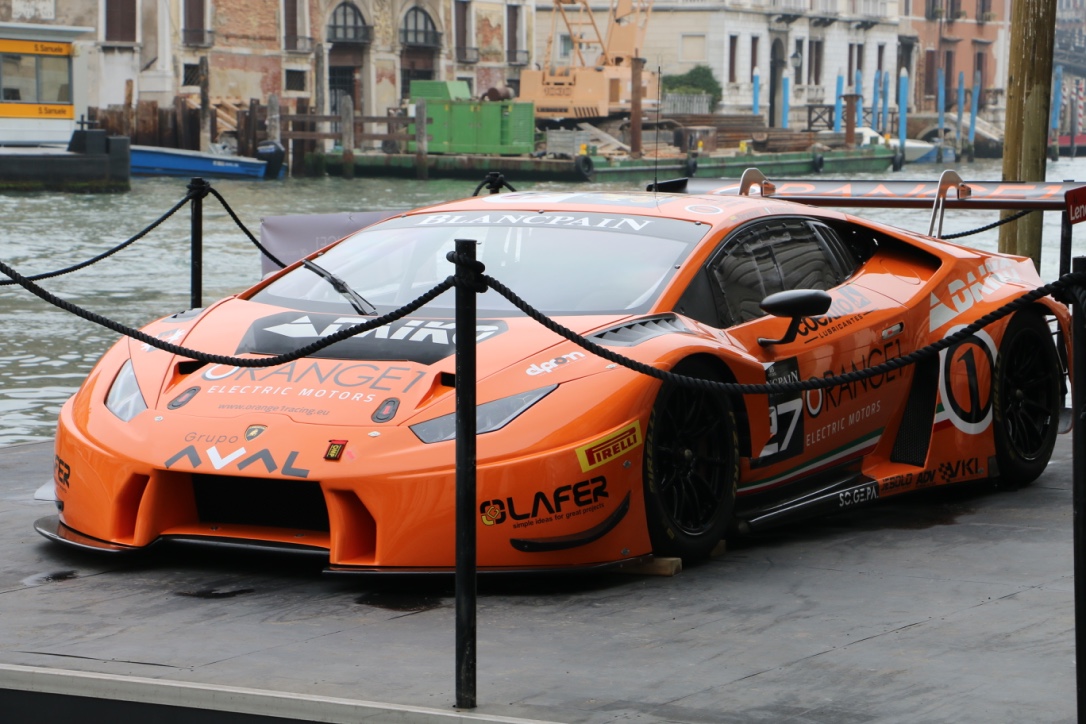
x=121, y=21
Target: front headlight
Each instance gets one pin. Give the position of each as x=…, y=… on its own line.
x=489, y=417
x=125, y=399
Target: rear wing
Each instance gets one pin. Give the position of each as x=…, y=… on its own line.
x=949, y=192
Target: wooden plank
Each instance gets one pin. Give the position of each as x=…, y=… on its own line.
x=309, y=118
x=388, y=137
x=658, y=566
x=605, y=137
x=310, y=135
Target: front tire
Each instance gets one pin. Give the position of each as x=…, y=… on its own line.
x=1026, y=399
x=691, y=467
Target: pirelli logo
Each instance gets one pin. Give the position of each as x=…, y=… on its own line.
x=607, y=449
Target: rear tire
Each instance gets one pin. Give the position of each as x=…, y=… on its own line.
x=1026, y=399
x=691, y=466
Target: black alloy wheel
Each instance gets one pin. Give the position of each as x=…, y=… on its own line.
x=691, y=467
x=1026, y=399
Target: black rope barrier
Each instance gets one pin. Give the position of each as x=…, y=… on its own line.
x=1068, y=281
x=993, y=225
x=195, y=191
x=478, y=282
x=242, y=226
x=105, y=254
x=210, y=358
x=494, y=183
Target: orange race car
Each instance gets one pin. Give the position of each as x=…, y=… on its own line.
x=581, y=462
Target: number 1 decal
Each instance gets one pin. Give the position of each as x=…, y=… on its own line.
x=965, y=381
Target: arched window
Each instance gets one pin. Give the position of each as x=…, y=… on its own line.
x=419, y=29
x=348, y=25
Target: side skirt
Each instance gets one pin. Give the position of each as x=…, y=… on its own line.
x=840, y=495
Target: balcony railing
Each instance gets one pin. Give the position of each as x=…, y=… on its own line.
x=467, y=55
x=358, y=34
x=517, y=57
x=298, y=43
x=420, y=38
x=198, y=38
x=872, y=8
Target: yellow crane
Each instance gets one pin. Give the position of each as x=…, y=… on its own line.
x=591, y=76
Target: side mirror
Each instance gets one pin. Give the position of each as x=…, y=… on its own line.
x=797, y=304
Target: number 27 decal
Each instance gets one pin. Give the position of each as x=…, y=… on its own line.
x=785, y=416
x=782, y=431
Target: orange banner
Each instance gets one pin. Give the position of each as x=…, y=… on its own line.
x=37, y=110
x=35, y=47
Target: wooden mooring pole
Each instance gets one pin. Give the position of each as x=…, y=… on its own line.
x=1025, y=138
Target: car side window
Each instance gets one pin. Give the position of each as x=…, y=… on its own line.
x=771, y=256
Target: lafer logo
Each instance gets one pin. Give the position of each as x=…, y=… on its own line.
x=606, y=449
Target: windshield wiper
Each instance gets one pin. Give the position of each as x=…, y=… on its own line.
x=357, y=300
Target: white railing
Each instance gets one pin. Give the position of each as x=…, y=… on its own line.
x=686, y=103
x=872, y=8
x=826, y=7
x=815, y=93
x=800, y=5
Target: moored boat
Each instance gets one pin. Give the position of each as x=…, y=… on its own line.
x=161, y=161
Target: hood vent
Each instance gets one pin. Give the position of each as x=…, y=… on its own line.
x=634, y=333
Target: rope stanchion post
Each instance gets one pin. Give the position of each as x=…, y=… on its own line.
x=466, y=289
x=1078, y=483
x=199, y=189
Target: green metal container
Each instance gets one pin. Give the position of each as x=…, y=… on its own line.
x=443, y=90
x=465, y=126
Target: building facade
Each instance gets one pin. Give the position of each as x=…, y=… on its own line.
x=754, y=46
x=323, y=52
x=320, y=52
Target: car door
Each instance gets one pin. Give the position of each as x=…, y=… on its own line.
x=819, y=433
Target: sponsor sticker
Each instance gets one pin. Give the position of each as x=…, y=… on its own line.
x=61, y=472
x=335, y=449
x=565, y=501
x=606, y=449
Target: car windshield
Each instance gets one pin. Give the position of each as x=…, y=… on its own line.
x=573, y=263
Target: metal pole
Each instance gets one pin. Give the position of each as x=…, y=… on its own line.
x=1074, y=122
x=422, y=169
x=757, y=99
x=837, y=102
x=974, y=104
x=884, y=127
x=1078, y=477
x=941, y=100
x=786, y=103
x=637, y=65
x=1065, y=244
x=1054, y=122
x=902, y=108
x=875, y=89
x=465, y=476
x=961, y=113
x=196, y=274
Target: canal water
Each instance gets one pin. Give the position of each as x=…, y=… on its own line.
x=45, y=352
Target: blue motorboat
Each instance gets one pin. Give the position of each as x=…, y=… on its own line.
x=161, y=161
